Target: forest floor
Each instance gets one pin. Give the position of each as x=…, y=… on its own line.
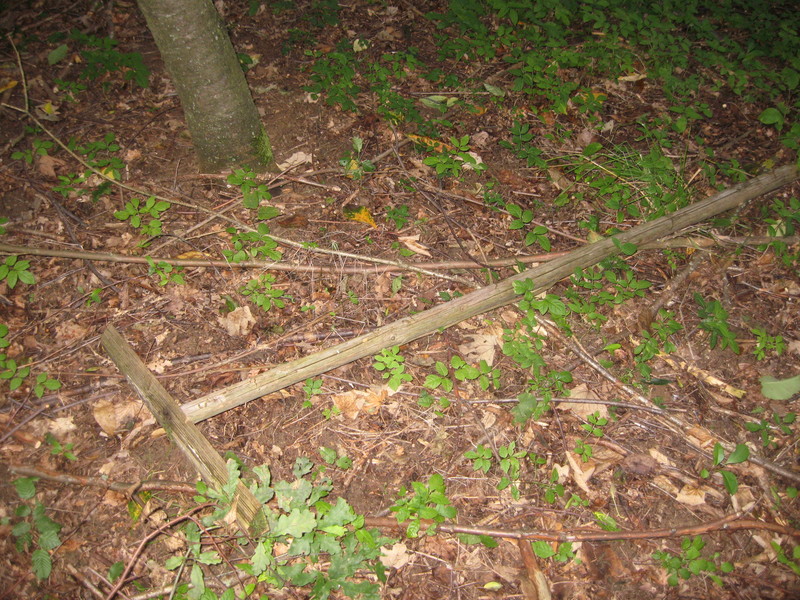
x=448, y=143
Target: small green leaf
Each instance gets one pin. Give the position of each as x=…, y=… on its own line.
x=57, y=55
x=42, y=565
x=772, y=116
x=739, y=455
x=780, y=389
x=115, y=570
x=26, y=487
x=730, y=481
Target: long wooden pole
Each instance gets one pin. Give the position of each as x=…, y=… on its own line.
x=483, y=300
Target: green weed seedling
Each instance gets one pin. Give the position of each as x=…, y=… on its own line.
x=392, y=366
x=793, y=563
x=783, y=219
x=101, y=57
x=520, y=145
x=165, y=271
x=253, y=193
x=32, y=528
x=13, y=270
x=354, y=166
x=39, y=148
x=312, y=387
x=251, y=245
x=13, y=373
x=509, y=463
x=740, y=454
x=136, y=214
x=562, y=553
x=691, y=562
x=481, y=458
x=428, y=501
x=452, y=163
x=398, y=215
x=59, y=449
x=521, y=218
x=766, y=343
x=583, y=450
x=333, y=458
x=714, y=320
x=780, y=424
x=553, y=490
x=4, y=343
x=426, y=400
x=261, y=292
x=595, y=425
x=656, y=341
x=44, y=384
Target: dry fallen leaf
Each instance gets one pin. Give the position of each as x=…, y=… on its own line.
x=482, y=345
x=580, y=409
x=395, y=557
x=116, y=415
x=295, y=160
x=238, y=322
x=352, y=403
x=412, y=243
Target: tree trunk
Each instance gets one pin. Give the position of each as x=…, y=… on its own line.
x=199, y=57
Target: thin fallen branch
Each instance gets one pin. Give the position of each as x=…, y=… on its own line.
x=123, y=487
x=728, y=523
x=478, y=302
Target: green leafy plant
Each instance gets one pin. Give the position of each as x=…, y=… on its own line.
x=740, y=454
x=428, y=501
x=261, y=292
x=453, y=162
x=562, y=553
x=355, y=167
x=312, y=387
x=766, y=343
x=520, y=145
x=656, y=341
x=13, y=270
x=59, y=449
x=481, y=458
x=392, y=365
x=32, y=528
x=253, y=193
x=45, y=383
x=136, y=214
x=251, y=245
x=780, y=425
x=691, y=562
x=595, y=425
x=165, y=271
x=11, y=372
x=793, y=563
x=398, y=215
x=521, y=218
x=4, y=343
x=326, y=547
x=101, y=57
x=333, y=458
x=39, y=148
x=583, y=450
x=714, y=320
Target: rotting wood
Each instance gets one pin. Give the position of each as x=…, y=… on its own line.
x=478, y=302
x=182, y=432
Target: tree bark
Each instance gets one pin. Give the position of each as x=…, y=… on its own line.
x=197, y=52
